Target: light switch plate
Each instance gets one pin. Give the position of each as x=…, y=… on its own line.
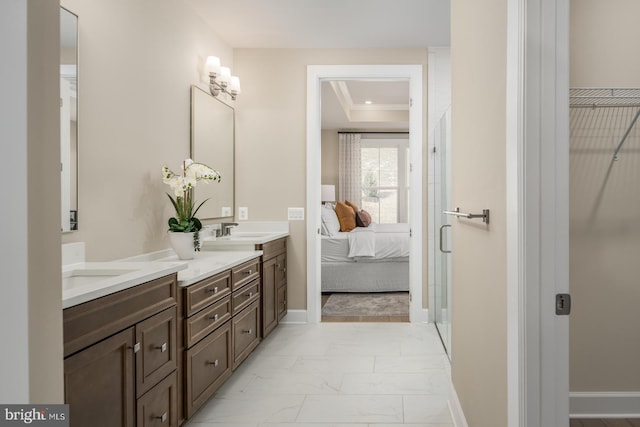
x=225, y=211
x=243, y=213
x=295, y=214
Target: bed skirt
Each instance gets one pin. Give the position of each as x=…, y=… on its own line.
x=390, y=276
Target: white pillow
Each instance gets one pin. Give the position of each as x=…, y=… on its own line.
x=330, y=223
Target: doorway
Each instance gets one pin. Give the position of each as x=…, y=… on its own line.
x=315, y=76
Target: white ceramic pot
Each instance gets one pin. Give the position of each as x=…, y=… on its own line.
x=182, y=244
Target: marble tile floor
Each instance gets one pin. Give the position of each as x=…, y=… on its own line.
x=337, y=375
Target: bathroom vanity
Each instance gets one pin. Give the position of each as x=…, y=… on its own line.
x=149, y=340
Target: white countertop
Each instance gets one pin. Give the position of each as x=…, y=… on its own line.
x=104, y=278
x=241, y=240
x=208, y=263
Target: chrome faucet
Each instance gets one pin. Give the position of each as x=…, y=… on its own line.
x=226, y=227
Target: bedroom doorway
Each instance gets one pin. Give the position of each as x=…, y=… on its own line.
x=315, y=76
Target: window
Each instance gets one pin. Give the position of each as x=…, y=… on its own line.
x=385, y=179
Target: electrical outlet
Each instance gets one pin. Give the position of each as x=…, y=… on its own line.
x=225, y=211
x=243, y=213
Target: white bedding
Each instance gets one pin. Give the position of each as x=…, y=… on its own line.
x=376, y=242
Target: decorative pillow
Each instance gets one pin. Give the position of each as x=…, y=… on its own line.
x=330, y=224
x=363, y=219
x=352, y=206
x=346, y=217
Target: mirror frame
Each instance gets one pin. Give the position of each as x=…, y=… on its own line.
x=73, y=198
x=193, y=150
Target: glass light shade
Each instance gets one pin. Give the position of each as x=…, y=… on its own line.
x=225, y=75
x=234, y=85
x=328, y=193
x=212, y=65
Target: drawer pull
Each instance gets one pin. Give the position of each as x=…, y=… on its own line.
x=213, y=290
x=162, y=348
x=248, y=272
x=214, y=317
x=214, y=363
x=162, y=417
x=247, y=331
x=249, y=295
x=135, y=348
x=278, y=265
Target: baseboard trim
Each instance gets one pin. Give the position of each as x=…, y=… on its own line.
x=604, y=404
x=295, y=317
x=455, y=408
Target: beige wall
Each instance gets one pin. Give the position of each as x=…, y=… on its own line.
x=138, y=60
x=30, y=323
x=271, y=135
x=479, y=319
x=605, y=236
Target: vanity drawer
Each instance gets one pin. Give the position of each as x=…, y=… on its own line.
x=201, y=324
x=245, y=273
x=245, y=333
x=245, y=296
x=208, y=367
x=203, y=293
x=273, y=248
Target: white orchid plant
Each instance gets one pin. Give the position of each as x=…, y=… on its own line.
x=182, y=186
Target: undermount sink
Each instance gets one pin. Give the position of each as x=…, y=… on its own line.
x=87, y=276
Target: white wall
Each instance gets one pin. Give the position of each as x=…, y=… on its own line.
x=138, y=60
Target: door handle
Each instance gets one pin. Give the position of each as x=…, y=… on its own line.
x=441, y=238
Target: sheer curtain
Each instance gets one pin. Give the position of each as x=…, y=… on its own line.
x=349, y=168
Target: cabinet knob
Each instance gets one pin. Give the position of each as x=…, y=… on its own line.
x=135, y=348
x=162, y=348
x=248, y=272
x=162, y=417
x=278, y=265
x=214, y=317
x=213, y=290
x=249, y=295
x=214, y=363
x=247, y=331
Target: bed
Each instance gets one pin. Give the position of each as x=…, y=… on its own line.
x=371, y=259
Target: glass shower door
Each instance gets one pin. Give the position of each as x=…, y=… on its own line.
x=442, y=232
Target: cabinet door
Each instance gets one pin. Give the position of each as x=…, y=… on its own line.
x=157, y=356
x=99, y=383
x=246, y=335
x=208, y=365
x=269, y=308
x=159, y=406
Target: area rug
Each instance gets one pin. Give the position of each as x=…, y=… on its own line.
x=378, y=304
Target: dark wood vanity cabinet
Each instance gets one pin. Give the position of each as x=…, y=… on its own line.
x=274, y=283
x=121, y=359
x=221, y=329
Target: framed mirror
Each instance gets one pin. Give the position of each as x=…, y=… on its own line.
x=68, y=120
x=212, y=143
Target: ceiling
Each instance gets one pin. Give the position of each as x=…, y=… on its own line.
x=360, y=24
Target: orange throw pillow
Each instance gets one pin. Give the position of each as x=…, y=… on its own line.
x=352, y=206
x=346, y=217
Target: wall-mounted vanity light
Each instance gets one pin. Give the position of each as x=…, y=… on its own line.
x=220, y=78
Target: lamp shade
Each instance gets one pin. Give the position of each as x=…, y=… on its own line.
x=225, y=75
x=328, y=193
x=212, y=65
x=234, y=85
